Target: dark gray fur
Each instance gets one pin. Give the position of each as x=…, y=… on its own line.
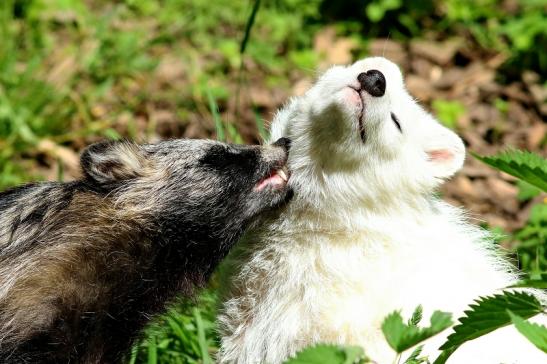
x=84, y=264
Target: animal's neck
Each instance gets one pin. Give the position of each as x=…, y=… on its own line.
x=328, y=218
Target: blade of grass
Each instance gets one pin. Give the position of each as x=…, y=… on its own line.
x=216, y=117
x=177, y=330
x=134, y=353
x=201, y=338
x=264, y=135
x=235, y=137
x=249, y=26
x=243, y=46
x=152, y=350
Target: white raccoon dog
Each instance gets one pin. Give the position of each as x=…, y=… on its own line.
x=364, y=234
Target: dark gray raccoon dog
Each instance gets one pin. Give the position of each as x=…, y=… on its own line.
x=84, y=264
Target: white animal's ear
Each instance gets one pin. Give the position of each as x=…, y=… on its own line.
x=278, y=128
x=110, y=162
x=445, y=152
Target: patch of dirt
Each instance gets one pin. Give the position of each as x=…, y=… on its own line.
x=496, y=116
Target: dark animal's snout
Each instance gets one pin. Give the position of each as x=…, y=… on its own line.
x=373, y=82
x=284, y=143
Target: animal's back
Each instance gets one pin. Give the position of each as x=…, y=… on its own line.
x=63, y=249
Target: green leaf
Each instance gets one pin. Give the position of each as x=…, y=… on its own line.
x=534, y=281
x=526, y=191
x=416, y=316
x=537, y=334
x=538, y=214
x=329, y=354
x=527, y=166
x=486, y=315
x=414, y=356
x=402, y=337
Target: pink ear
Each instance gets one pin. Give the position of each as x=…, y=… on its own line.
x=446, y=161
x=440, y=156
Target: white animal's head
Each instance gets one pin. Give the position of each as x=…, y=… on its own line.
x=359, y=137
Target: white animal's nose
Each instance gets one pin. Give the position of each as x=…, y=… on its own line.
x=373, y=82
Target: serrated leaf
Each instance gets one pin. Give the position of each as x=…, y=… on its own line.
x=537, y=334
x=526, y=191
x=527, y=166
x=329, y=354
x=486, y=315
x=402, y=337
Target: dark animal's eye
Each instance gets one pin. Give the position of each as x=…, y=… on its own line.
x=396, y=121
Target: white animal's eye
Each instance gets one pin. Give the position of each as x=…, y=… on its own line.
x=396, y=121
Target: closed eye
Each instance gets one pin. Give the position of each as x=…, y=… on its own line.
x=396, y=121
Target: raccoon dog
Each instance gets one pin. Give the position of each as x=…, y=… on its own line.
x=365, y=234
x=84, y=264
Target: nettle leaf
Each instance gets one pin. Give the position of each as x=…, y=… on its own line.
x=527, y=166
x=537, y=334
x=486, y=315
x=329, y=354
x=401, y=336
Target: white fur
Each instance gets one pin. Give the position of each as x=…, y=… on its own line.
x=364, y=235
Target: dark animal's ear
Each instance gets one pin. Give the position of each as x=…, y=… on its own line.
x=109, y=162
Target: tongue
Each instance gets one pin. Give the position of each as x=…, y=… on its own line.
x=273, y=180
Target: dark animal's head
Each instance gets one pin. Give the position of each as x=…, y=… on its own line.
x=200, y=192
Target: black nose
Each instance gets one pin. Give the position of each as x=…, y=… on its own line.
x=285, y=143
x=373, y=82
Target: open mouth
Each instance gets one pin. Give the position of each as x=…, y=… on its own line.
x=276, y=180
x=361, y=116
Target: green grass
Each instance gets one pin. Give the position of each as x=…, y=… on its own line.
x=186, y=334
x=62, y=60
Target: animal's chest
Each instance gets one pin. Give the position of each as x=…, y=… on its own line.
x=355, y=286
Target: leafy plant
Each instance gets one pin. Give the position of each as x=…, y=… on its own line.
x=401, y=336
x=527, y=166
x=537, y=334
x=415, y=358
x=531, y=249
x=486, y=315
x=186, y=334
x=448, y=111
x=533, y=281
x=531, y=169
x=526, y=191
x=330, y=354
x=376, y=9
